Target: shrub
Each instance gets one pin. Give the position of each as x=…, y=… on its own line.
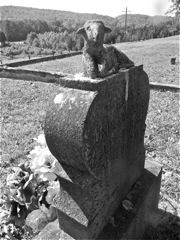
x=31, y=37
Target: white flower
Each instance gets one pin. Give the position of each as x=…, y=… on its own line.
x=4, y=213
x=40, y=157
x=43, y=163
x=35, y=152
x=14, y=179
x=53, y=190
x=47, y=176
x=11, y=180
x=41, y=140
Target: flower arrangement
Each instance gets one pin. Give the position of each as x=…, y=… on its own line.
x=31, y=186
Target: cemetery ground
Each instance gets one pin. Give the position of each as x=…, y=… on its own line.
x=23, y=106
x=19, y=51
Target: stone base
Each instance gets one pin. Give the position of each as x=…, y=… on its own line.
x=133, y=214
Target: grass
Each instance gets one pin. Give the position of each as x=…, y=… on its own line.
x=18, y=51
x=23, y=109
x=23, y=106
x=162, y=143
x=154, y=54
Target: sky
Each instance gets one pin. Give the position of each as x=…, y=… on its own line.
x=112, y=8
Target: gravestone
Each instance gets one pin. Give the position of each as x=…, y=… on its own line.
x=95, y=128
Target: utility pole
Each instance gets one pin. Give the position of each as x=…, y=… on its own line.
x=125, y=24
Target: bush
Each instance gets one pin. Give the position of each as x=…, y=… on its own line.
x=31, y=37
x=55, y=41
x=12, y=51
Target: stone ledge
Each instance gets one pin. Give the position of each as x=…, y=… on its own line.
x=66, y=80
x=40, y=59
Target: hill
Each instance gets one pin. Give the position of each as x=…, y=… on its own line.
x=141, y=20
x=14, y=13
x=17, y=22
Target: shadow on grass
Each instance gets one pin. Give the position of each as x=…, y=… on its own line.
x=165, y=226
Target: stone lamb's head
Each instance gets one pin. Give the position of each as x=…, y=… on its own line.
x=93, y=32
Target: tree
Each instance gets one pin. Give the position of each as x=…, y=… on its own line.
x=174, y=8
x=10, y=53
x=2, y=39
x=69, y=43
x=30, y=37
x=36, y=43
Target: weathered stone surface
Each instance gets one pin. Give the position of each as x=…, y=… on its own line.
x=144, y=196
x=96, y=131
x=129, y=220
x=81, y=126
x=52, y=232
x=36, y=220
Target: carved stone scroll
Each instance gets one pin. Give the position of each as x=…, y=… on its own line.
x=96, y=131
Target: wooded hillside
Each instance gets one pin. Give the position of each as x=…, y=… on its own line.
x=18, y=22
x=21, y=13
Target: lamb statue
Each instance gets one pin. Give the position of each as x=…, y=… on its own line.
x=100, y=60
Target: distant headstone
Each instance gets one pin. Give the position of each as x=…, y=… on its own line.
x=173, y=61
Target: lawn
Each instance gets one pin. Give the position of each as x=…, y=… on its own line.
x=23, y=106
x=154, y=54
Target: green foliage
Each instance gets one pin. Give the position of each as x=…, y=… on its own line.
x=28, y=29
x=175, y=7
x=26, y=20
x=13, y=50
x=67, y=40
x=136, y=33
x=55, y=41
x=31, y=186
x=140, y=20
x=18, y=30
x=2, y=37
x=31, y=37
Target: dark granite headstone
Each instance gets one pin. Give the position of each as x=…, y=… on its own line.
x=95, y=128
x=134, y=215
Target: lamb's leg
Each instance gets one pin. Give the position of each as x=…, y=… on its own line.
x=110, y=65
x=90, y=67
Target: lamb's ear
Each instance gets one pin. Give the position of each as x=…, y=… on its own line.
x=82, y=32
x=107, y=30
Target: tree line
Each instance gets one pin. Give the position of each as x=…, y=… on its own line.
x=66, y=38
x=55, y=41
x=137, y=33
x=18, y=30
